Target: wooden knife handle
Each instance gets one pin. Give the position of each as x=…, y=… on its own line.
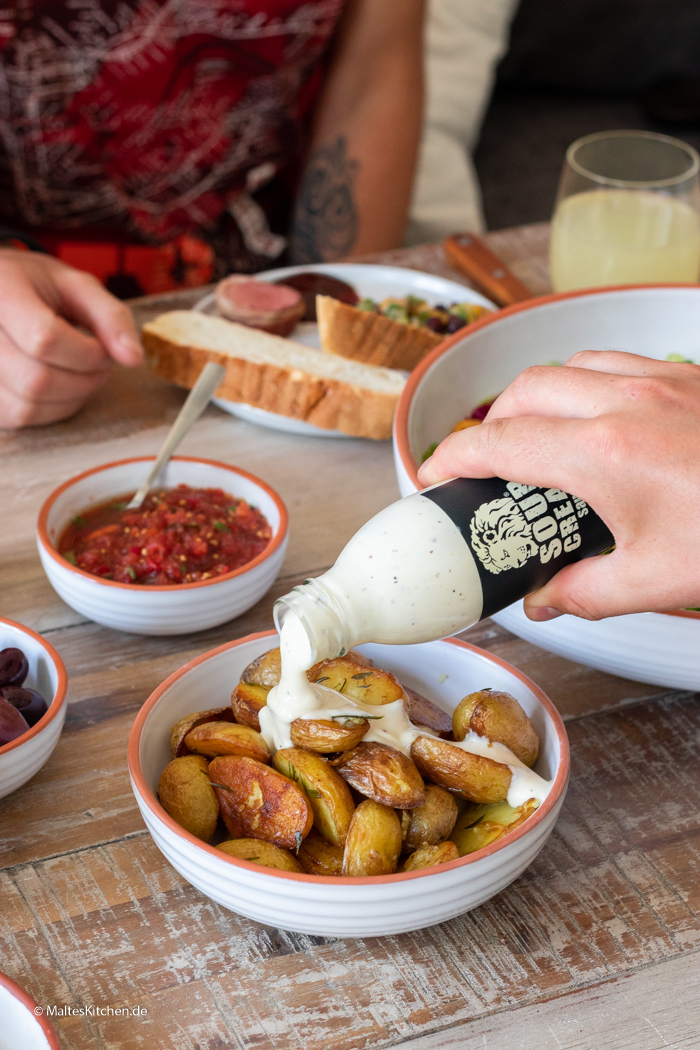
x=474, y=258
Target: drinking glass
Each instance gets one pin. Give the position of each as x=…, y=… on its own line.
x=627, y=212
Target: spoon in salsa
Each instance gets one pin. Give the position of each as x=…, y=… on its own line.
x=197, y=400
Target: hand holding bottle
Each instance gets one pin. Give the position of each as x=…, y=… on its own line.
x=622, y=432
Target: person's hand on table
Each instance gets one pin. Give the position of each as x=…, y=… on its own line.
x=49, y=367
x=623, y=433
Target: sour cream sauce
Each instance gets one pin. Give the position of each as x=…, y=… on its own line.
x=296, y=697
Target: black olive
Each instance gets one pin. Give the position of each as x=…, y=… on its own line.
x=14, y=667
x=30, y=704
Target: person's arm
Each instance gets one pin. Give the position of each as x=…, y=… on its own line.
x=356, y=185
x=623, y=433
x=59, y=330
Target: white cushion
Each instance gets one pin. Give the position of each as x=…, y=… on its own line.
x=464, y=41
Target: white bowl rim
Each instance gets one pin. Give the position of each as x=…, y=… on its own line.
x=273, y=546
x=403, y=406
x=59, y=697
x=150, y=800
x=26, y=1000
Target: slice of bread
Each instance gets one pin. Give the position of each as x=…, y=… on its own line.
x=369, y=337
x=275, y=374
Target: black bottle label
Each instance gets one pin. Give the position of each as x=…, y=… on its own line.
x=520, y=535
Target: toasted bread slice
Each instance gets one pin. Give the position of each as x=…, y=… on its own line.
x=369, y=337
x=275, y=374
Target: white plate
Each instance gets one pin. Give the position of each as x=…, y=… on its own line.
x=373, y=282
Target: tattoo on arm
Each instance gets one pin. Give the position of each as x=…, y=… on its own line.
x=325, y=218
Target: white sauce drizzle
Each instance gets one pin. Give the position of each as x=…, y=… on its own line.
x=296, y=697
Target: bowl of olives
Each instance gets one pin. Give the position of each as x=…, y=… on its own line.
x=33, y=687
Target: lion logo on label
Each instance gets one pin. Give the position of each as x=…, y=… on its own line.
x=501, y=537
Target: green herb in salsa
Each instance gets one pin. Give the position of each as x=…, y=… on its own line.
x=180, y=535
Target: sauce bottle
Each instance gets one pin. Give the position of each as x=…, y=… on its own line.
x=438, y=561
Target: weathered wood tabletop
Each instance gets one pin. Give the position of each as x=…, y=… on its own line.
x=595, y=946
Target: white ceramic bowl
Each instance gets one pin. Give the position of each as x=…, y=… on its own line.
x=22, y=1027
x=23, y=757
x=346, y=907
x=160, y=610
x=661, y=648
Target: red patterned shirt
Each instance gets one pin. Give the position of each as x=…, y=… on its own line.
x=157, y=118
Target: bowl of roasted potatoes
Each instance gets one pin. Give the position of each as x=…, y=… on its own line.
x=341, y=833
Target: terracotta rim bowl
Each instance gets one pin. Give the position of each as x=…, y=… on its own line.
x=403, y=410
x=161, y=609
x=22, y=758
x=30, y=1006
x=181, y=840
x=57, y=705
x=273, y=546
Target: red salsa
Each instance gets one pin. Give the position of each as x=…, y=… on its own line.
x=179, y=535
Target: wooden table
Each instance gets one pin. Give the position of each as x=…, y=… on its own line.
x=595, y=946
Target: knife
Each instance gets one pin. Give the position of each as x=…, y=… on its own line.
x=472, y=256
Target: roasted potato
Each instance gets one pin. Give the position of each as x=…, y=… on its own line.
x=258, y=802
x=428, y=856
x=186, y=794
x=250, y=695
x=469, y=814
x=265, y=670
x=473, y=777
x=431, y=822
x=264, y=853
x=424, y=712
x=188, y=723
x=491, y=824
x=247, y=700
x=320, y=857
x=328, y=794
x=374, y=841
x=328, y=736
x=351, y=655
x=499, y=717
x=357, y=681
x=383, y=774
x=227, y=738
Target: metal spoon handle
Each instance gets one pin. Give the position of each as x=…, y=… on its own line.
x=197, y=400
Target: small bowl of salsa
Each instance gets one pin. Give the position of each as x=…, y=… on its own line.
x=205, y=545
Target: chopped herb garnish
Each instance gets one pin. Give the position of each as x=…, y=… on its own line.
x=132, y=572
x=224, y=787
x=120, y=505
x=355, y=719
x=340, y=688
x=79, y=521
x=365, y=674
x=70, y=556
x=221, y=525
x=299, y=840
x=324, y=678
